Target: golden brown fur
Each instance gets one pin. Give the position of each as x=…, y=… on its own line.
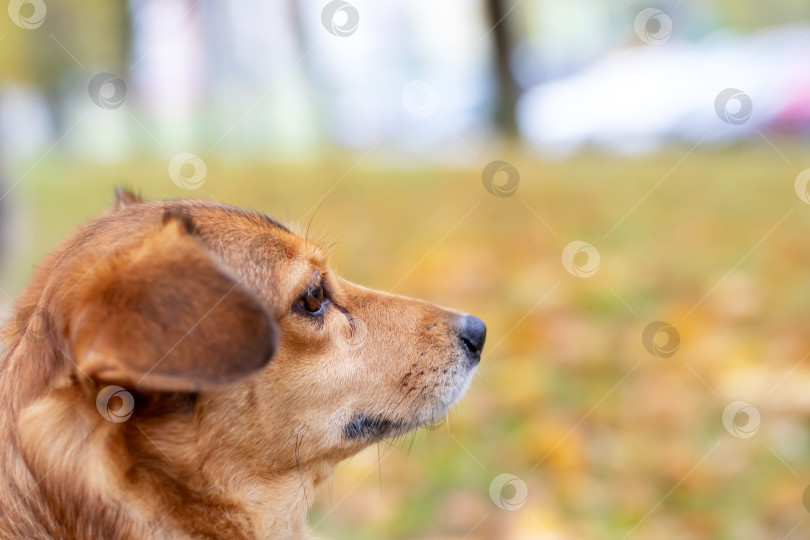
x=242, y=398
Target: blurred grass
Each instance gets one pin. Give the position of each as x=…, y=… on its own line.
x=626, y=442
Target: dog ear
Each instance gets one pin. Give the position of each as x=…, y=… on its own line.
x=164, y=316
x=124, y=198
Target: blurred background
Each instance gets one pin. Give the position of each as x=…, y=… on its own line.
x=619, y=189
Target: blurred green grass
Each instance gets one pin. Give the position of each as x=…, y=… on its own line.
x=626, y=442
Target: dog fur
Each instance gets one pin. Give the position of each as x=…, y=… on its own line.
x=242, y=398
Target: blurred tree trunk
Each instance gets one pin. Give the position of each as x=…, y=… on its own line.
x=507, y=90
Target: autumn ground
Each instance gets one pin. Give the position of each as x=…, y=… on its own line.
x=609, y=440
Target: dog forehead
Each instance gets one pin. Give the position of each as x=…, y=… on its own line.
x=245, y=240
x=245, y=234
x=213, y=223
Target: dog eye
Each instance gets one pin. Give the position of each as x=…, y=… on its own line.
x=312, y=301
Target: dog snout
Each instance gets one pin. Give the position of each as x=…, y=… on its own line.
x=472, y=335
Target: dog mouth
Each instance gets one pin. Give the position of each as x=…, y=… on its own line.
x=364, y=427
x=433, y=401
x=375, y=427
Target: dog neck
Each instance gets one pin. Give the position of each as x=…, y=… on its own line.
x=116, y=478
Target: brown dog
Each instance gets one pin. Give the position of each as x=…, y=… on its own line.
x=183, y=369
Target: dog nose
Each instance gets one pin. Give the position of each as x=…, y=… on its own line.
x=473, y=333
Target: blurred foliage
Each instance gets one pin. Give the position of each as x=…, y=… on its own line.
x=609, y=439
x=86, y=32
x=754, y=15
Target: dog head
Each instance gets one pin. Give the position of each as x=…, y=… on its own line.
x=244, y=355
